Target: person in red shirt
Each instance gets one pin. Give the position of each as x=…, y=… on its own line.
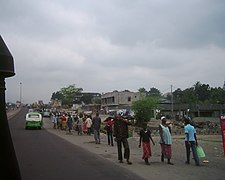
x=109, y=129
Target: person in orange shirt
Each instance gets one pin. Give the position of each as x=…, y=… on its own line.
x=64, y=121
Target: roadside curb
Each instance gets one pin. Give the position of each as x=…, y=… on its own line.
x=12, y=113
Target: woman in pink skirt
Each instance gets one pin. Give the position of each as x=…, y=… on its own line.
x=145, y=137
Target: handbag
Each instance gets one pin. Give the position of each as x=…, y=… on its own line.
x=200, y=152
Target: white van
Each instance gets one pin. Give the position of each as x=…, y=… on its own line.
x=33, y=119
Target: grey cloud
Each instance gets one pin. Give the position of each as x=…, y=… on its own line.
x=178, y=24
x=112, y=44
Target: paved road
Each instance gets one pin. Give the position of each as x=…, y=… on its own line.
x=44, y=156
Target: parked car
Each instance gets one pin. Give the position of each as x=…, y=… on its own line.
x=46, y=113
x=31, y=110
x=33, y=120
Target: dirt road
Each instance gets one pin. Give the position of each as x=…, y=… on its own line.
x=214, y=169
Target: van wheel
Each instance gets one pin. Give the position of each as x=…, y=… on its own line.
x=26, y=128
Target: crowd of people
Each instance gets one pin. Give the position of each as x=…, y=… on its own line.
x=116, y=129
x=82, y=123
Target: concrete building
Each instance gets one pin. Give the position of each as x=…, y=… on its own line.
x=57, y=104
x=193, y=110
x=119, y=100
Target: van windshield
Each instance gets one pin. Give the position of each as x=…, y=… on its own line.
x=33, y=116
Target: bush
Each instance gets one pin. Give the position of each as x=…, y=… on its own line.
x=144, y=109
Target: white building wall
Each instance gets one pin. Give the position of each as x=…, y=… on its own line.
x=121, y=98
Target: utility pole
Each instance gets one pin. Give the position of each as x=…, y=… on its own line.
x=172, y=100
x=20, y=93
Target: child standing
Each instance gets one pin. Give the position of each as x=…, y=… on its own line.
x=145, y=137
x=109, y=129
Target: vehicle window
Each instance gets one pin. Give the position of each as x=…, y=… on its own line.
x=33, y=116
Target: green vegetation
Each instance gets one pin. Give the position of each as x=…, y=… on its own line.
x=67, y=94
x=200, y=94
x=72, y=95
x=144, y=109
x=152, y=92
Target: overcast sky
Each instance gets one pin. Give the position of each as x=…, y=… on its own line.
x=106, y=45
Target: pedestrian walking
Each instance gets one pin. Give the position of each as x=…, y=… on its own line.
x=54, y=120
x=96, y=122
x=145, y=138
x=64, y=119
x=190, y=141
x=121, y=134
x=88, y=124
x=59, y=121
x=165, y=140
x=70, y=123
x=109, y=130
x=80, y=124
x=84, y=125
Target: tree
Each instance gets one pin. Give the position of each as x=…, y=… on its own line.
x=57, y=95
x=89, y=98
x=154, y=92
x=67, y=94
x=142, y=90
x=96, y=100
x=202, y=91
x=217, y=96
x=144, y=109
x=86, y=98
x=177, y=95
x=189, y=96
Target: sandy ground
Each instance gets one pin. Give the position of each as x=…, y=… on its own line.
x=212, y=145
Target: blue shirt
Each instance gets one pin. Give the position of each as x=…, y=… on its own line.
x=190, y=130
